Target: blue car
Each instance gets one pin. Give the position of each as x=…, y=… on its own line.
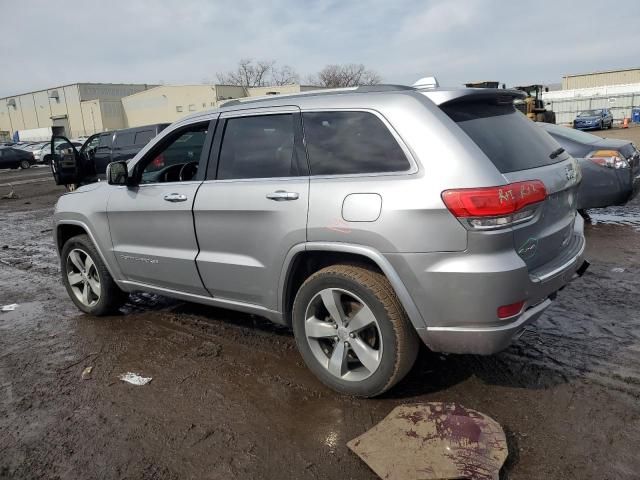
x=600, y=119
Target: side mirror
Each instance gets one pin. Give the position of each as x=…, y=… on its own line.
x=117, y=173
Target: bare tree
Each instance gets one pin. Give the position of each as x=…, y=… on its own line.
x=284, y=75
x=347, y=75
x=261, y=73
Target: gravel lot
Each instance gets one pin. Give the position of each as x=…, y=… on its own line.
x=230, y=397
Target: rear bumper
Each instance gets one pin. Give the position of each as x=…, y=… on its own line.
x=480, y=340
x=458, y=297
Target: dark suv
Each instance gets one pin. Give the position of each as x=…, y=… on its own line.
x=106, y=147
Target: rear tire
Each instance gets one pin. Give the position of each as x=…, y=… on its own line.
x=373, y=344
x=86, y=278
x=25, y=164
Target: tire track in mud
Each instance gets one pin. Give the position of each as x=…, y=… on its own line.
x=592, y=331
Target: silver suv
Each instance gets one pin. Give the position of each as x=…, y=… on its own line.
x=367, y=219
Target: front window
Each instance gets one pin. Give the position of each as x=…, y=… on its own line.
x=178, y=157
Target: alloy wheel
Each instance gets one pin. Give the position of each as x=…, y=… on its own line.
x=343, y=334
x=83, y=277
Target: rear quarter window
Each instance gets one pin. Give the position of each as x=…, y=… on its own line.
x=124, y=139
x=342, y=143
x=510, y=140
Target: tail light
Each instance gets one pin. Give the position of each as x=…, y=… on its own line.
x=158, y=162
x=495, y=207
x=608, y=158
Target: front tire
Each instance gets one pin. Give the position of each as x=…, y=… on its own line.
x=25, y=164
x=86, y=278
x=352, y=331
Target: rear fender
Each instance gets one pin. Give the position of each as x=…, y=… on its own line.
x=370, y=253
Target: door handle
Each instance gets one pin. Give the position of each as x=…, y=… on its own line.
x=281, y=195
x=175, y=197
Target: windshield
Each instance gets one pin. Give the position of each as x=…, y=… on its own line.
x=569, y=133
x=590, y=113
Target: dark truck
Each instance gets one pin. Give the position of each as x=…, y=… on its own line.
x=103, y=148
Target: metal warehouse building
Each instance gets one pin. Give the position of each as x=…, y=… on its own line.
x=70, y=110
x=601, y=79
x=617, y=90
x=86, y=108
x=168, y=103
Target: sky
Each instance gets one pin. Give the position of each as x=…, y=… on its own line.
x=44, y=44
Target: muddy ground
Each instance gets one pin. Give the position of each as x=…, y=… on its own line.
x=230, y=397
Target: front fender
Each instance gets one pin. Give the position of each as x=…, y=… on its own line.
x=86, y=208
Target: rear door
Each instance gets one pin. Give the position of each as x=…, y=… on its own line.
x=252, y=209
x=102, y=156
x=122, y=145
x=521, y=151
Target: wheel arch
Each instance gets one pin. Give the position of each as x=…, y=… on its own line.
x=66, y=229
x=305, y=259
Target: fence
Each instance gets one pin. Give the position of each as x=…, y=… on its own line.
x=568, y=108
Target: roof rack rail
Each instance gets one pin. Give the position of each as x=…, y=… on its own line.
x=320, y=91
x=383, y=87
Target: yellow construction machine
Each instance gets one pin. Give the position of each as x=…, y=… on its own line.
x=532, y=106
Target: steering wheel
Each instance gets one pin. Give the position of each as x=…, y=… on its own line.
x=188, y=171
x=171, y=173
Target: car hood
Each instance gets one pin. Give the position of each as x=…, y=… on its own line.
x=594, y=118
x=88, y=188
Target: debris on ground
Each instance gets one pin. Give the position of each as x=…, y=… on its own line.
x=433, y=441
x=617, y=270
x=9, y=308
x=134, y=378
x=10, y=196
x=86, y=373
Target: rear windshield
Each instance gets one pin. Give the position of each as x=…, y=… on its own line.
x=505, y=135
x=570, y=133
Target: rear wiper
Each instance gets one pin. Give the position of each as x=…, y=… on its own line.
x=555, y=153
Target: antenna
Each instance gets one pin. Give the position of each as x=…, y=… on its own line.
x=427, y=82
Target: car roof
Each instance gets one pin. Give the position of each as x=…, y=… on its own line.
x=337, y=97
x=141, y=128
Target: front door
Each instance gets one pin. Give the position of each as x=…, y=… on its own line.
x=253, y=208
x=151, y=223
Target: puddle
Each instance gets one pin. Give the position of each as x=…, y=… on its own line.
x=628, y=215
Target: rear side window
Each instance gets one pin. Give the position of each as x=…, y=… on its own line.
x=510, y=140
x=258, y=147
x=342, y=143
x=143, y=137
x=124, y=139
x=106, y=140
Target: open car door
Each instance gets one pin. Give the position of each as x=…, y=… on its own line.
x=65, y=162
